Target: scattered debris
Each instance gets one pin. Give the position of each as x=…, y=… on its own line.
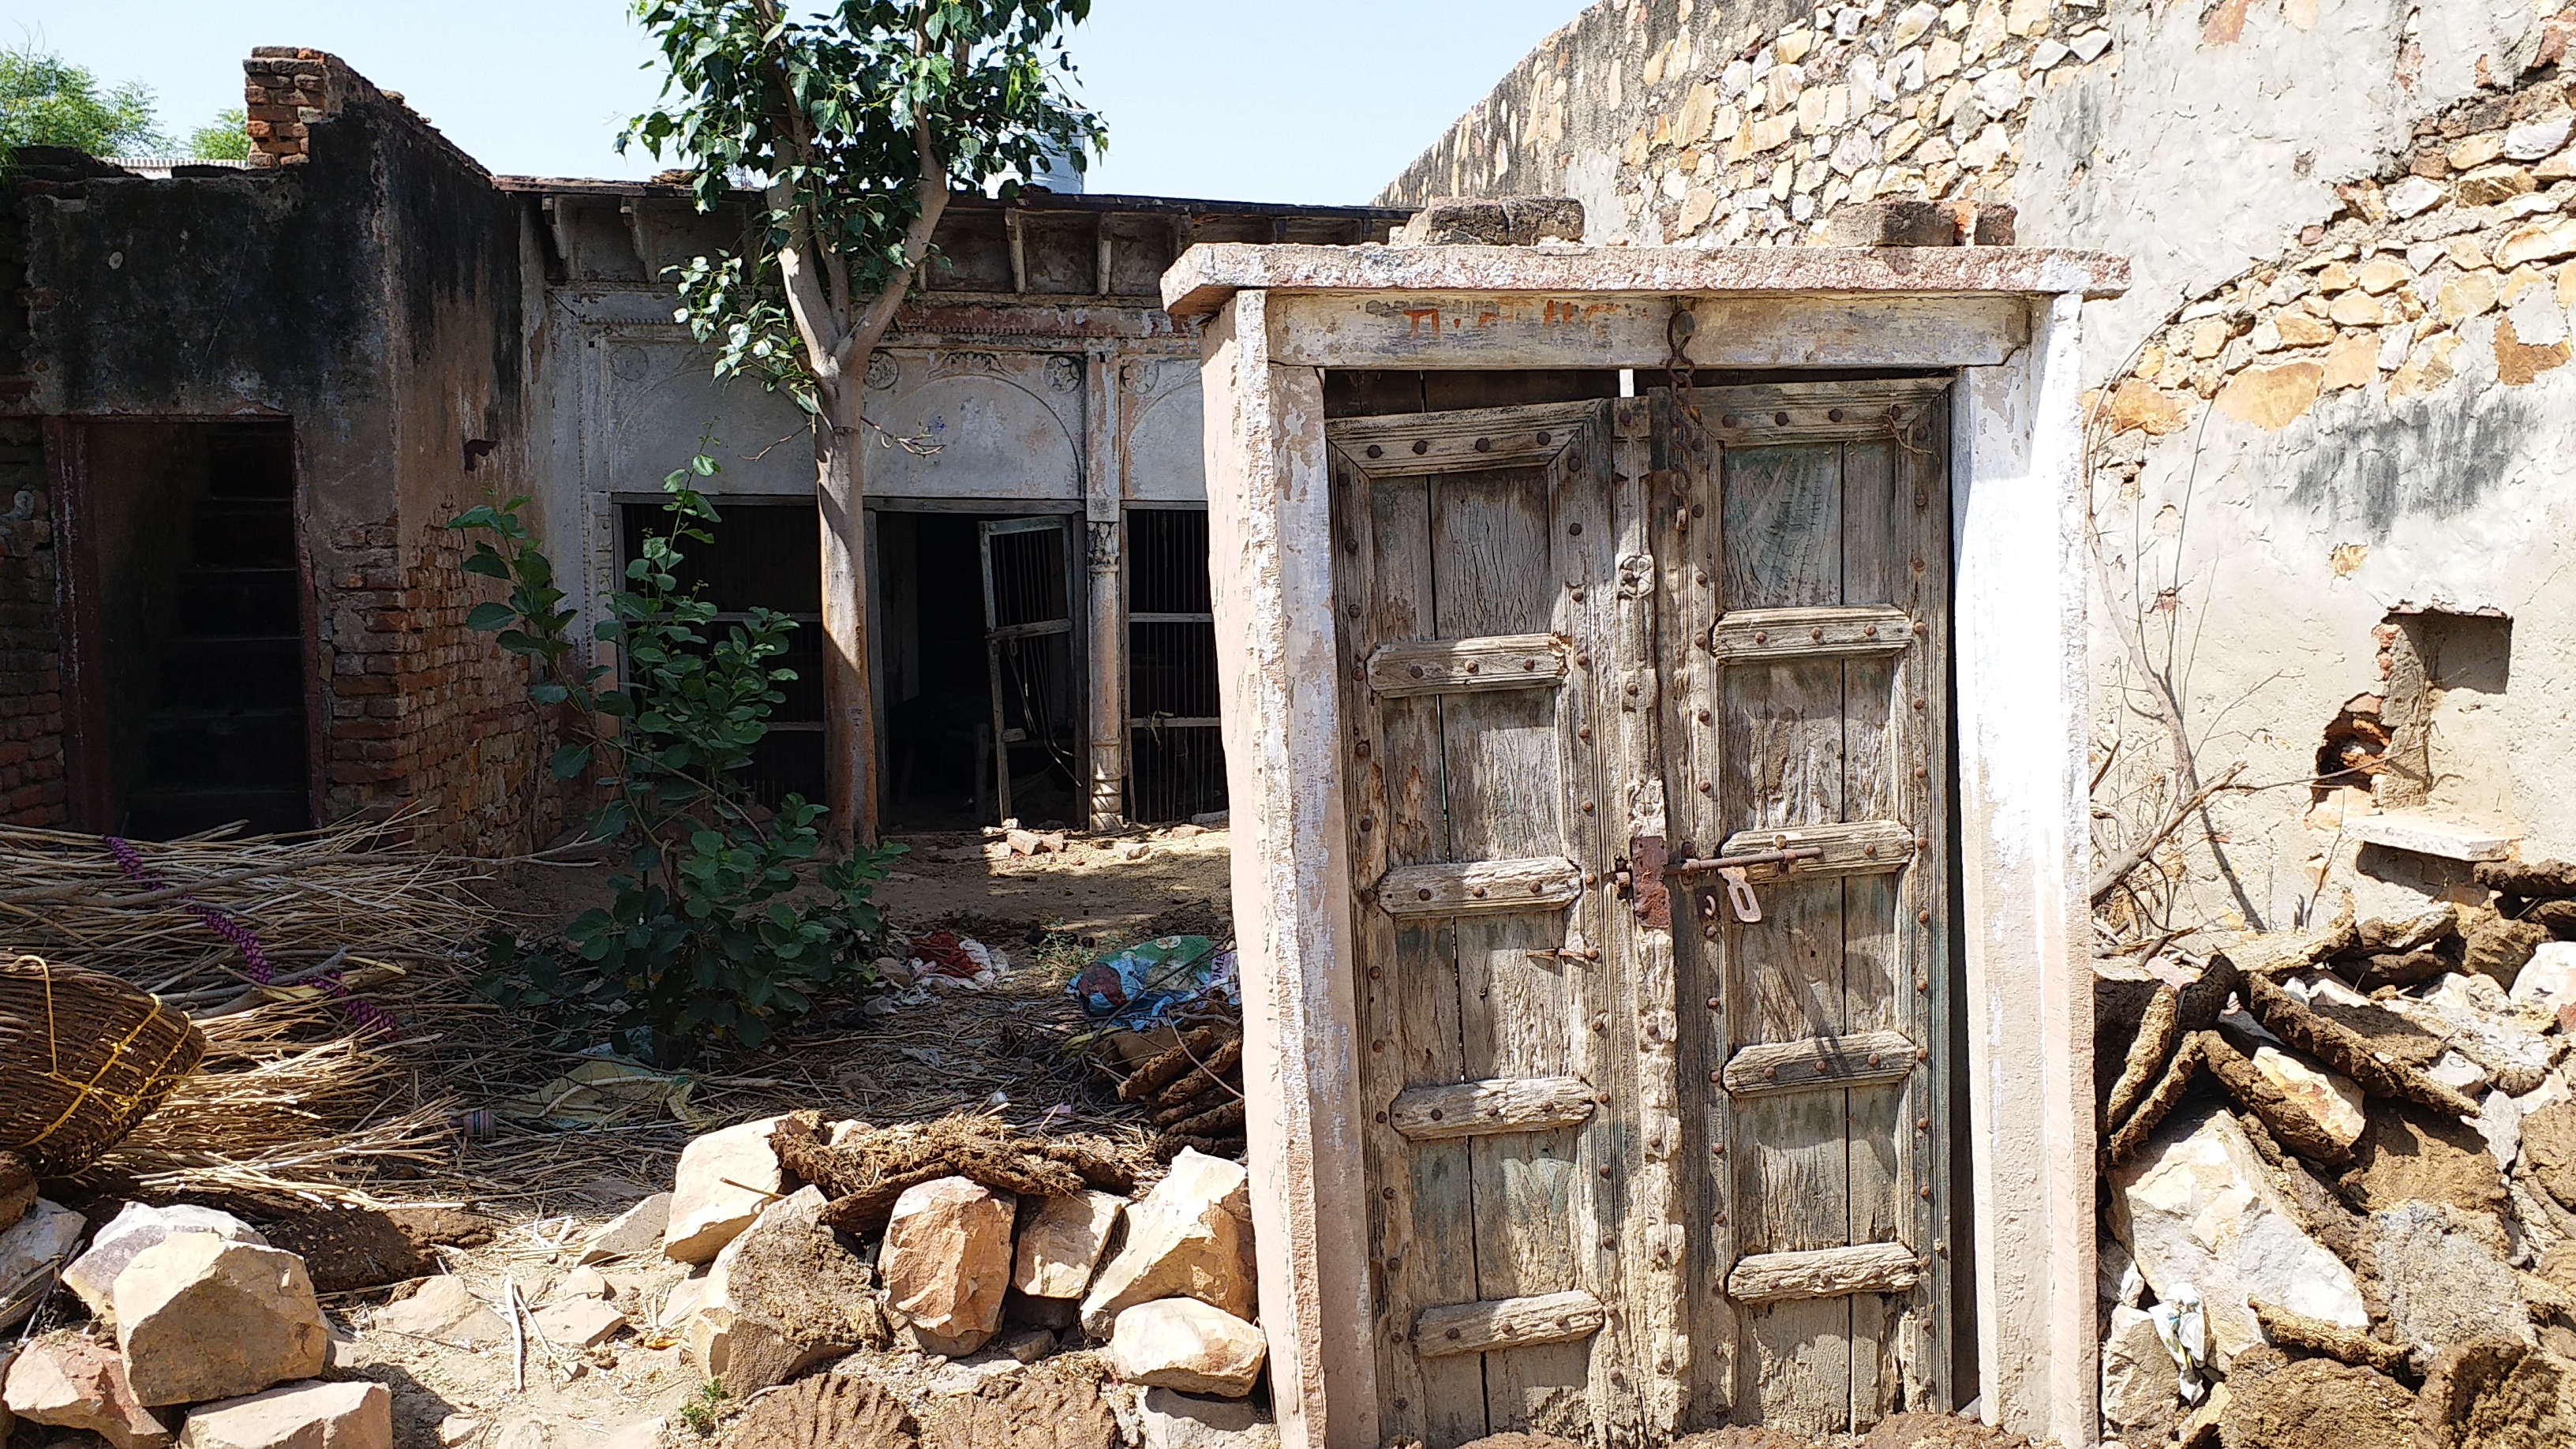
x=1152, y=981
x=2352, y=1150
x=946, y=959
x=30, y=1255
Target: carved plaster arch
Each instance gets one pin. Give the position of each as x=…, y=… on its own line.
x=990, y=437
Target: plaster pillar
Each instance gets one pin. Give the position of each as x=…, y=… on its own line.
x=1270, y=567
x=1103, y=511
x=1108, y=675
x=2020, y=520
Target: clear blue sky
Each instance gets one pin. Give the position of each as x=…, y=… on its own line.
x=1316, y=101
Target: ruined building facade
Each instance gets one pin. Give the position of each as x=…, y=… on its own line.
x=2327, y=425
x=239, y=406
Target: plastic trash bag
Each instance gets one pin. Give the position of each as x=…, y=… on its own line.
x=1139, y=985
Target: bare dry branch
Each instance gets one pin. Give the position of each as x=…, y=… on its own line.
x=2108, y=878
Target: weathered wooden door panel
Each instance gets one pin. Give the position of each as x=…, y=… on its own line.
x=1477, y=580
x=1808, y=630
x=1599, y=1207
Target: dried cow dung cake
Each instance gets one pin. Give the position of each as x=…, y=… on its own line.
x=825, y=1411
x=870, y=1168
x=86, y=1057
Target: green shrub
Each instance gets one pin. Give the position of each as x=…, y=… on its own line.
x=725, y=920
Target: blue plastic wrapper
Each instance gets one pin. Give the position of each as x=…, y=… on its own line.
x=1136, y=986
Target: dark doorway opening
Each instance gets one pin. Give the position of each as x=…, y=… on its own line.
x=981, y=669
x=189, y=650
x=765, y=556
x=1175, y=750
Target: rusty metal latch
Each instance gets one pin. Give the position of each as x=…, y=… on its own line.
x=1739, y=886
x=1640, y=882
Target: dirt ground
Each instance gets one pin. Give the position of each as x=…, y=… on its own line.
x=1088, y=890
x=974, y=884
x=880, y=1056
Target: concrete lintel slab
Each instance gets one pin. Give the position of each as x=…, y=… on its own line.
x=1207, y=274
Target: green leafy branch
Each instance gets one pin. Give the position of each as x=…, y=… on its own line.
x=715, y=925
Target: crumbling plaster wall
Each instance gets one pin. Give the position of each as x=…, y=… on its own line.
x=2376, y=419
x=2258, y=546
x=371, y=291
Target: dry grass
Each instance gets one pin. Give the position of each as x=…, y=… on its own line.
x=288, y=1103
x=298, y=1099
x=328, y=900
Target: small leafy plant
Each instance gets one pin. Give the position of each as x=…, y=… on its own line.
x=716, y=927
x=706, y=1409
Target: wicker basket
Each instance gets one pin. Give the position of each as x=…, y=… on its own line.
x=83, y=1057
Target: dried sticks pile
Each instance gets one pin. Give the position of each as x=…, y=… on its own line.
x=1195, y=1090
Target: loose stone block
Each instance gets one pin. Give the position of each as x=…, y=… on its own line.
x=1181, y=1343
x=1190, y=1237
x=71, y=1382
x=349, y=1415
x=1061, y=1247
x=443, y=1311
x=947, y=1262
x=725, y=1178
x=637, y=1230
x=136, y=1227
x=198, y=1317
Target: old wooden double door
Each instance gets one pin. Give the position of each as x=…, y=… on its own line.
x=1652, y=1143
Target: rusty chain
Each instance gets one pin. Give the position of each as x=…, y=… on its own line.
x=1689, y=440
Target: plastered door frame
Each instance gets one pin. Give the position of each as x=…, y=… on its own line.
x=2007, y=320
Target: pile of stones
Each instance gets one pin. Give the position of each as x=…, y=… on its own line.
x=201, y=1334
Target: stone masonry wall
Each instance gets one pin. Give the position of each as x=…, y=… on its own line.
x=31, y=701
x=1686, y=123
x=2334, y=393
x=2377, y=419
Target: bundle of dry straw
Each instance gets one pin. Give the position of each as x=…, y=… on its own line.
x=299, y=1095
x=289, y=1103
x=342, y=896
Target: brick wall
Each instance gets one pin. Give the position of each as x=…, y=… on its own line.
x=32, y=784
x=285, y=89
x=423, y=708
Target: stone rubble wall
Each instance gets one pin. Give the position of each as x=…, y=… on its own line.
x=2333, y=394
x=1689, y=124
